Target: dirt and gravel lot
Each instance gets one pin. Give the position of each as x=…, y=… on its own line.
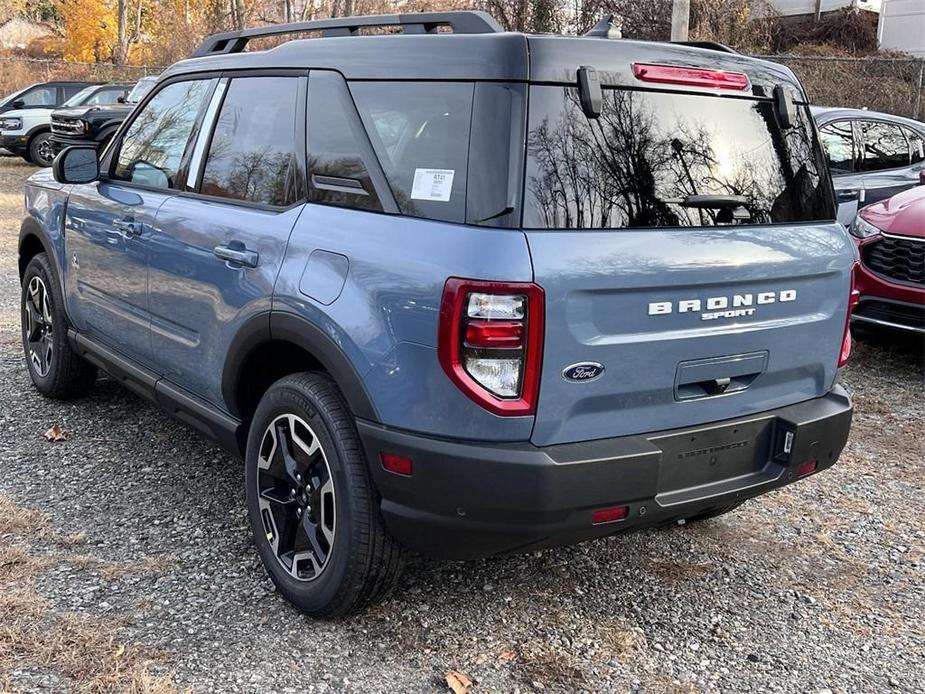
x=126, y=565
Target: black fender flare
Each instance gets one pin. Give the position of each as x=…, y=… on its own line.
x=282, y=326
x=29, y=228
x=36, y=129
x=106, y=131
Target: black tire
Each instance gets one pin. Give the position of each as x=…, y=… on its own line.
x=41, y=151
x=362, y=561
x=56, y=370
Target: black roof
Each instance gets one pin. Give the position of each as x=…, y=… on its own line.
x=480, y=51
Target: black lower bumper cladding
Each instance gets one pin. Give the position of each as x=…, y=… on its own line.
x=467, y=500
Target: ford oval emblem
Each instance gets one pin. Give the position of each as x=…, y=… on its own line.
x=583, y=371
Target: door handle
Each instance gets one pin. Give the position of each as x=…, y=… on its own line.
x=128, y=228
x=847, y=195
x=237, y=254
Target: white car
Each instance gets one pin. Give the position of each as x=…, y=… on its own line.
x=25, y=129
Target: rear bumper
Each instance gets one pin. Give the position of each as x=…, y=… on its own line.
x=468, y=500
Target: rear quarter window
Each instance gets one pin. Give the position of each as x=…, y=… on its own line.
x=638, y=163
x=420, y=132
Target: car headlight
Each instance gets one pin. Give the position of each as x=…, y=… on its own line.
x=862, y=228
x=10, y=123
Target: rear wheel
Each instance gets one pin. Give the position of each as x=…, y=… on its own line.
x=56, y=370
x=312, y=506
x=41, y=150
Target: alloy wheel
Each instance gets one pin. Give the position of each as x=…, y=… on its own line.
x=39, y=326
x=46, y=152
x=295, y=493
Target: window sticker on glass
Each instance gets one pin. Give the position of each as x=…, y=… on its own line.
x=432, y=184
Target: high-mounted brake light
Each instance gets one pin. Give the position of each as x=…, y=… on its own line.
x=853, y=298
x=690, y=76
x=490, y=342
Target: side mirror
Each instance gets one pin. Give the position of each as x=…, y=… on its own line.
x=76, y=165
x=120, y=100
x=18, y=104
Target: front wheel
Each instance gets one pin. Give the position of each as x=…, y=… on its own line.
x=56, y=370
x=312, y=506
x=41, y=150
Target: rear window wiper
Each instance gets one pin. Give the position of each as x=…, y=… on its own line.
x=712, y=202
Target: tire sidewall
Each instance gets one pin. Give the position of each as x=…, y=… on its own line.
x=314, y=595
x=39, y=267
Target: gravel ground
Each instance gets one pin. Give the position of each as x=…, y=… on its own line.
x=819, y=587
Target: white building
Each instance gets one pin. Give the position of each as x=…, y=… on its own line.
x=797, y=8
x=902, y=26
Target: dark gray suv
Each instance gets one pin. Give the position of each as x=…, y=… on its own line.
x=872, y=156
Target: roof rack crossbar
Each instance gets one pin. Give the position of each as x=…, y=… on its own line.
x=463, y=22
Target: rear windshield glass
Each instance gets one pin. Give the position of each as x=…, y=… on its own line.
x=669, y=160
x=420, y=131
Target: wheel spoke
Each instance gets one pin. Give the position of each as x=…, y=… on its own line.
x=319, y=543
x=326, y=512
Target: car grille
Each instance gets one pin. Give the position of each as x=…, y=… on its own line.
x=892, y=312
x=897, y=259
x=67, y=127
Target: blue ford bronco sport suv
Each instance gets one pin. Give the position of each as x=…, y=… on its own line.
x=454, y=290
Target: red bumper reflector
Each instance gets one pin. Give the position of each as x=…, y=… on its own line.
x=808, y=467
x=690, y=76
x=396, y=463
x=609, y=515
x=499, y=333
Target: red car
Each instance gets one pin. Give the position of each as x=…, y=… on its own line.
x=891, y=278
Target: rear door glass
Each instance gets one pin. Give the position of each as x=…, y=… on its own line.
x=420, y=131
x=639, y=163
x=883, y=146
x=252, y=154
x=838, y=142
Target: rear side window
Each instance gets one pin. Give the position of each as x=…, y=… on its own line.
x=838, y=142
x=152, y=148
x=642, y=163
x=883, y=146
x=252, y=154
x=420, y=131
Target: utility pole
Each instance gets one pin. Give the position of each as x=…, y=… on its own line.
x=680, y=18
x=817, y=12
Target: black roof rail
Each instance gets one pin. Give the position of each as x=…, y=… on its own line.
x=463, y=22
x=710, y=45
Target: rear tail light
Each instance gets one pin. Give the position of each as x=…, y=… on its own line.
x=807, y=468
x=491, y=342
x=853, y=298
x=690, y=76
